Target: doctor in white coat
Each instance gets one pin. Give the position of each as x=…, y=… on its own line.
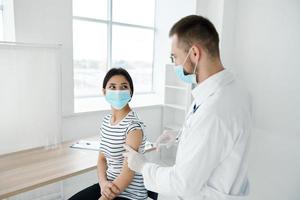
x=211, y=160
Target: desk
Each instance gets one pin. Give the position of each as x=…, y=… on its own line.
x=26, y=170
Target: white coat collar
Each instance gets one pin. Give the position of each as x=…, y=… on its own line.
x=209, y=86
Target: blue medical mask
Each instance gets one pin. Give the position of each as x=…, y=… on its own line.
x=118, y=99
x=187, y=78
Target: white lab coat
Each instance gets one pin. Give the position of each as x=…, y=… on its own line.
x=211, y=159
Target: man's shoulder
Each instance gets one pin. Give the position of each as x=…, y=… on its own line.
x=228, y=104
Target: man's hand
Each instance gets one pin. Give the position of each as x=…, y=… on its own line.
x=167, y=138
x=136, y=161
x=109, y=190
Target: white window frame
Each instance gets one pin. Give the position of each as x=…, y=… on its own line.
x=141, y=99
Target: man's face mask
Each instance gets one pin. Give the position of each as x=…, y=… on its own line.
x=182, y=75
x=118, y=99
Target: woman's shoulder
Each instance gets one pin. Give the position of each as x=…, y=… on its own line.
x=133, y=121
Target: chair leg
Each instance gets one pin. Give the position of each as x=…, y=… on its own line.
x=152, y=195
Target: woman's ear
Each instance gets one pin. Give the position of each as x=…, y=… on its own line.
x=103, y=91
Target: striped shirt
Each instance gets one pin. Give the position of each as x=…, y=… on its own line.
x=111, y=145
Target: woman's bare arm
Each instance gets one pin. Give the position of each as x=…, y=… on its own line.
x=134, y=140
x=102, y=167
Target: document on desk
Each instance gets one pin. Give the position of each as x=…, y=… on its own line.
x=86, y=144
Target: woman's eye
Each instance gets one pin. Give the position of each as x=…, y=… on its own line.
x=125, y=87
x=112, y=87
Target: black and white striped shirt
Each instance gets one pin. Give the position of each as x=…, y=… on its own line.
x=111, y=144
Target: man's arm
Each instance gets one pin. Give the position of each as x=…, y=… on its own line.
x=197, y=156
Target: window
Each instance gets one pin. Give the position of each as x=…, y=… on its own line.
x=112, y=33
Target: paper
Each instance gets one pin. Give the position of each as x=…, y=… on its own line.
x=87, y=144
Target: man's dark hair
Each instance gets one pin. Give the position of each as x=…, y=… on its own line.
x=118, y=71
x=195, y=29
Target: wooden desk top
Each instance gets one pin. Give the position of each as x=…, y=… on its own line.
x=26, y=170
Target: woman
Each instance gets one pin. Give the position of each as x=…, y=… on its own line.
x=122, y=126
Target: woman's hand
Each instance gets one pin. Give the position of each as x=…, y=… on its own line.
x=109, y=190
x=103, y=198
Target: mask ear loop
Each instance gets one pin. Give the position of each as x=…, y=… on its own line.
x=186, y=56
x=195, y=67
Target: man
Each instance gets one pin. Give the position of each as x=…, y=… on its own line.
x=211, y=159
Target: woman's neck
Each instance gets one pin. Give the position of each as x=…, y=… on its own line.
x=118, y=115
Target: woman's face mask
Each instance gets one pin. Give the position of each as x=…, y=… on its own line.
x=118, y=99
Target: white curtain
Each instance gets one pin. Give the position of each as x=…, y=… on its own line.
x=30, y=97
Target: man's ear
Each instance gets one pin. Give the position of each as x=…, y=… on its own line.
x=196, y=53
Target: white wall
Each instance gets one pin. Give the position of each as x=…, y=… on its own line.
x=261, y=45
x=49, y=21
x=30, y=86
x=213, y=10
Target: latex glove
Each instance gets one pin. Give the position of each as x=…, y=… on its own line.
x=167, y=138
x=135, y=160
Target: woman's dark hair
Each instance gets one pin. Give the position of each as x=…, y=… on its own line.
x=118, y=71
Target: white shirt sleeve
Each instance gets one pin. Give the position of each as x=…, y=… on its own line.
x=199, y=152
